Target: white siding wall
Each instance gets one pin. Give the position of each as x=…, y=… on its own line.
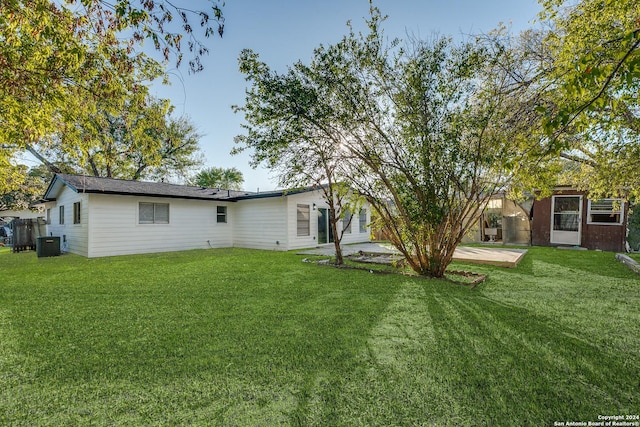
x=115, y=227
x=73, y=237
x=110, y=224
x=316, y=197
x=293, y=200
x=356, y=236
x=309, y=198
x=261, y=224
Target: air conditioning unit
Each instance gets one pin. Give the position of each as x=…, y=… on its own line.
x=48, y=246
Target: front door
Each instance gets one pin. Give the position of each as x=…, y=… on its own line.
x=325, y=233
x=566, y=220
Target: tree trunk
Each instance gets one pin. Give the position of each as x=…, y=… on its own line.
x=94, y=168
x=337, y=239
x=336, y=243
x=138, y=172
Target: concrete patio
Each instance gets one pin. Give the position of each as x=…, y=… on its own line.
x=480, y=255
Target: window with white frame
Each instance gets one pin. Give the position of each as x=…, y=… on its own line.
x=153, y=213
x=61, y=215
x=363, y=221
x=346, y=222
x=221, y=214
x=494, y=204
x=605, y=211
x=76, y=213
x=303, y=223
x=49, y=216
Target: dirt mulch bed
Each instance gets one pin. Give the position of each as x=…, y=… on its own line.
x=470, y=278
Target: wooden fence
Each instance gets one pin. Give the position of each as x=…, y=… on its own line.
x=26, y=232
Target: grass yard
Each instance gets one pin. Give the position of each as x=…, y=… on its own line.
x=239, y=337
x=635, y=256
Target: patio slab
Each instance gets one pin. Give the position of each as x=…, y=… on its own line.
x=494, y=256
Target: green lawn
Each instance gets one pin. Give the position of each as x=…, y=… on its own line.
x=240, y=337
x=635, y=256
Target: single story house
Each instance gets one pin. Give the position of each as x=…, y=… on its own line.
x=569, y=218
x=8, y=215
x=96, y=217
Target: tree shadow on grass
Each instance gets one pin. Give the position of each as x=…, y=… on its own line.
x=308, y=346
x=448, y=356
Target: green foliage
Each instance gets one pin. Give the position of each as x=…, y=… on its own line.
x=425, y=131
x=214, y=177
x=633, y=224
x=242, y=337
x=62, y=63
x=591, y=71
x=31, y=188
x=143, y=141
x=595, y=49
x=289, y=129
x=152, y=19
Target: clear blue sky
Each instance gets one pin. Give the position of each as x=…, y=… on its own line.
x=285, y=31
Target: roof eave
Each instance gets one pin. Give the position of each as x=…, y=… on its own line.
x=158, y=195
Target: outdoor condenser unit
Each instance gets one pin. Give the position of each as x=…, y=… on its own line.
x=48, y=246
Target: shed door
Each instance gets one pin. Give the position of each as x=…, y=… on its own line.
x=566, y=220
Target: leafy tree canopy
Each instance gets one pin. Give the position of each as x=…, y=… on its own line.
x=215, y=177
x=61, y=62
x=142, y=142
x=426, y=131
x=590, y=66
x=30, y=189
x=594, y=47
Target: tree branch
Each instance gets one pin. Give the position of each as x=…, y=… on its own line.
x=53, y=168
x=604, y=87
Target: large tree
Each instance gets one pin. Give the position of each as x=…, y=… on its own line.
x=59, y=58
x=215, y=177
x=30, y=190
x=594, y=52
x=590, y=67
x=424, y=131
x=142, y=142
x=301, y=154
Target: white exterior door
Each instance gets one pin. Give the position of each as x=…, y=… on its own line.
x=566, y=220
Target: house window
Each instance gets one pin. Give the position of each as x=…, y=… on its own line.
x=61, y=215
x=346, y=222
x=303, y=220
x=605, y=211
x=76, y=213
x=221, y=214
x=153, y=213
x=49, y=216
x=363, y=221
x=494, y=204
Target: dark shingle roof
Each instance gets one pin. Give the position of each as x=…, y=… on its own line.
x=276, y=193
x=91, y=184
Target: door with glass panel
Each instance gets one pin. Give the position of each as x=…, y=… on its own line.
x=566, y=220
x=325, y=232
